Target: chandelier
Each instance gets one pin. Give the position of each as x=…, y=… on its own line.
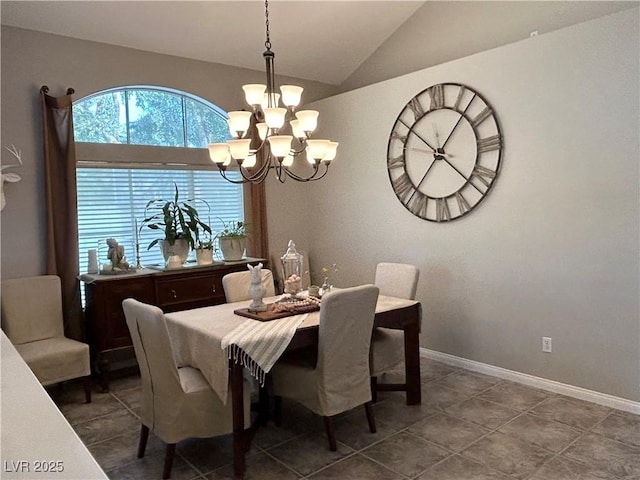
x=273, y=137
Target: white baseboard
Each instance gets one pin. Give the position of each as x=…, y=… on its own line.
x=537, y=382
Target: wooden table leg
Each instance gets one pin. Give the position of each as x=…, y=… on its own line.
x=237, y=395
x=412, y=363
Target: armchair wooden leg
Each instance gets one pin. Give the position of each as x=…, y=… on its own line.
x=368, y=408
x=168, y=460
x=142, y=444
x=374, y=389
x=331, y=433
x=87, y=388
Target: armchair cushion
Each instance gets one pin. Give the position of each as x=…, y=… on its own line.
x=54, y=360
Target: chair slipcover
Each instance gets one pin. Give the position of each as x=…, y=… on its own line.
x=176, y=403
x=387, y=347
x=340, y=379
x=32, y=318
x=236, y=285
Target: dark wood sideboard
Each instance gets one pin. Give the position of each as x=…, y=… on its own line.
x=192, y=286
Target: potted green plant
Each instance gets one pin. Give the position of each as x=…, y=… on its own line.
x=204, y=251
x=232, y=240
x=179, y=223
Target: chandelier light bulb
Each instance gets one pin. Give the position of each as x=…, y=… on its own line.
x=287, y=161
x=219, y=153
x=263, y=129
x=274, y=117
x=275, y=98
x=308, y=119
x=291, y=95
x=330, y=154
x=254, y=93
x=310, y=159
x=296, y=130
x=317, y=149
x=280, y=145
x=250, y=161
x=239, y=148
x=239, y=122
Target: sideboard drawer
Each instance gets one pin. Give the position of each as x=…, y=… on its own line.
x=189, y=291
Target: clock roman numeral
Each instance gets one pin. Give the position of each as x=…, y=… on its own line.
x=481, y=117
x=418, y=204
x=403, y=187
x=436, y=93
x=397, y=136
x=415, y=106
x=397, y=162
x=463, y=205
x=442, y=210
x=456, y=105
x=482, y=174
x=489, y=143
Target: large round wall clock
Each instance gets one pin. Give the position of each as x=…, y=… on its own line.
x=444, y=152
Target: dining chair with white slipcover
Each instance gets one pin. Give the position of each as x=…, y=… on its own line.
x=33, y=319
x=339, y=379
x=387, y=345
x=177, y=402
x=236, y=285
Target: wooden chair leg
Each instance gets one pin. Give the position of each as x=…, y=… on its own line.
x=374, y=389
x=331, y=433
x=277, y=410
x=168, y=460
x=87, y=388
x=142, y=444
x=368, y=408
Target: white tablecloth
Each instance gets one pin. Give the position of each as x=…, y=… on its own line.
x=197, y=337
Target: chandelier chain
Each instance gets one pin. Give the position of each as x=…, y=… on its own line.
x=267, y=42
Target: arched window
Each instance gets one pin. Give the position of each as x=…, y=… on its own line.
x=135, y=144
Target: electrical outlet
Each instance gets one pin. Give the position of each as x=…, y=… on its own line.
x=546, y=344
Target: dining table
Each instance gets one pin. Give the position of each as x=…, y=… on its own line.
x=222, y=344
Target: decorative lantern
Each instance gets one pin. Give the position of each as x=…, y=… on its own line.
x=292, y=270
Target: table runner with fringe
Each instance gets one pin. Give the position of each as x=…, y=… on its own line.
x=258, y=345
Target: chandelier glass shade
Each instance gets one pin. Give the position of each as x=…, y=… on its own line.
x=272, y=134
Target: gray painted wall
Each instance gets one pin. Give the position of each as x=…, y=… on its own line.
x=552, y=251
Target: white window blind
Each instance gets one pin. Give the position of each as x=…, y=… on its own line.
x=111, y=201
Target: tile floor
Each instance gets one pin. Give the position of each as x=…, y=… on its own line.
x=469, y=426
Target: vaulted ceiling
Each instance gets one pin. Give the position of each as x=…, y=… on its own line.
x=342, y=43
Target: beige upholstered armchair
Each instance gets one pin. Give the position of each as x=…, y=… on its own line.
x=387, y=346
x=177, y=402
x=236, y=285
x=339, y=380
x=32, y=318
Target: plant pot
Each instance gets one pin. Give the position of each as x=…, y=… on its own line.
x=232, y=248
x=204, y=256
x=180, y=248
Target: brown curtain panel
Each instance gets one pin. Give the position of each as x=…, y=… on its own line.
x=255, y=207
x=61, y=204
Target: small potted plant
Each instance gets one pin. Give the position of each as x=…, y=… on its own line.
x=179, y=223
x=204, y=251
x=232, y=240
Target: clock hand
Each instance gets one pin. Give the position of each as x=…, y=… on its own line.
x=424, y=150
x=458, y=122
x=435, y=130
